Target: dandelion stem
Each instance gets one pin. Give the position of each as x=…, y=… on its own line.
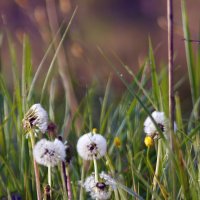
x=95, y=171
x=49, y=176
x=69, y=190
x=64, y=179
x=36, y=170
x=116, y=194
x=162, y=189
x=156, y=175
x=82, y=178
x=49, y=179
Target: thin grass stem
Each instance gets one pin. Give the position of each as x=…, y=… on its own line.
x=82, y=180
x=69, y=189
x=30, y=93
x=171, y=84
x=49, y=175
x=56, y=53
x=95, y=171
x=156, y=175
x=64, y=179
x=49, y=180
x=36, y=170
x=116, y=194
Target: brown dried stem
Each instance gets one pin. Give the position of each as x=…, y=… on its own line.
x=36, y=170
x=171, y=87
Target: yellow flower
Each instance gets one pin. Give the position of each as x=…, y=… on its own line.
x=117, y=142
x=94, y=130
x=148, y=141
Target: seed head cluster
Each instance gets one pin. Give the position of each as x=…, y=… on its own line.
x=36, y=119
x=102, y=189
x=149, y=127
x=162, y=122
x=91, y=146
x=49, y=153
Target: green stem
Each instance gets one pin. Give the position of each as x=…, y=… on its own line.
x=163, y=191
x=95, y=170
x=49, y=175
x=82, y=178
x=36, y=170
x=116, y=194
x=49, y=179
x=149, y=162
x=108, y=161
x=156, y=175
x=110, y=165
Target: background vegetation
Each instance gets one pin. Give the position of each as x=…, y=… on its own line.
x=132, y=164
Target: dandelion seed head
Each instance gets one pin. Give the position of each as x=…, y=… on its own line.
x=89, y=183
x=101, y=189
x=108, y=180
x=49, y=153
x=91, y=146
x=162, y=122
x=36, y=118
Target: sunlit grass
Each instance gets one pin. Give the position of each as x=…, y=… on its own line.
x=128, y=160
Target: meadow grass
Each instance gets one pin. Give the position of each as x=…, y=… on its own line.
x=139, y=172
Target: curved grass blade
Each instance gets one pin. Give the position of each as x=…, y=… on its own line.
x=56, y=53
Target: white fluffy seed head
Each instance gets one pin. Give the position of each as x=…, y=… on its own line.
x=108, y=180
x=91, y=146
x=49, y=153
x=36, y=118
x=102, y=189
x=149, y=127
x=89, y=183
x=162, y=122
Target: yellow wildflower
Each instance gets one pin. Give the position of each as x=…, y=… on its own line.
x=148, y=141
x=117, y=142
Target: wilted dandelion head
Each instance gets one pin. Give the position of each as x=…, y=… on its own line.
x=68, y=150
x=49, y=153
x=91, y=146
x=47, y=190
x=101, y=189
x=162, y=122
x=52, y=129
x=36, y=118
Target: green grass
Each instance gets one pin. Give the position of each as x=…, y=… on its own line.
x=132, y=165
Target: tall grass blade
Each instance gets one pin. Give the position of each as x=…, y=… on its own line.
x=189, y=53
x=56, y=53
x=26, y=71
x=154, y=77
